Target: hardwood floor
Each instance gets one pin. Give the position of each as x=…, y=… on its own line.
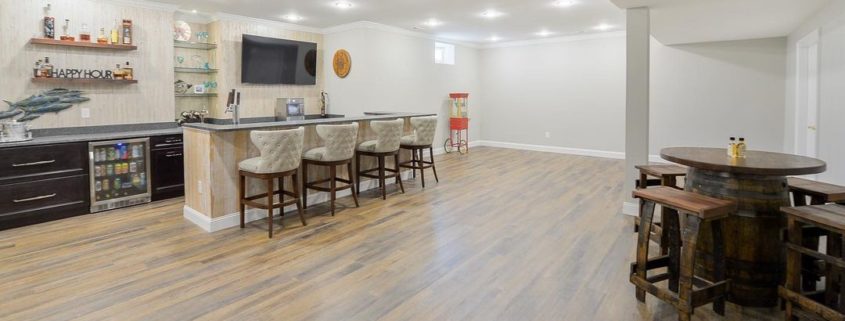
x=505, y=235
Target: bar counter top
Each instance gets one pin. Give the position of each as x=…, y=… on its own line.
x=305, y=122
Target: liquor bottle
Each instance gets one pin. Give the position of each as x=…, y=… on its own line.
x=65, y=35
x=127, y=32
x=84, y=34
x=47, y=68
x=127, y=72
x=49, y=24
x=118, y=72
x=115, y=35
x=101, y=39
x=732, y=147
x=741, y=147
x=37, y=70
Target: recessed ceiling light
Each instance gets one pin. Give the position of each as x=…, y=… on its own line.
x=490, y=14
x=432, y=22
x=292, y=17
x=603, y=27
x=194, y=11
x=343, y=4
x=563, y=3
x=544, y=33
x=494, y=39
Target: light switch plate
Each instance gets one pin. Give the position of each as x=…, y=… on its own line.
x=86, y=112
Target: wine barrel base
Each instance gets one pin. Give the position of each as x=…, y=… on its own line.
x=753, y=250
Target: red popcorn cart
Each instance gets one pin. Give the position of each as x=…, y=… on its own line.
x=458, y=124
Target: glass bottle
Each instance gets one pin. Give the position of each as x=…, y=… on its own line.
x=101, y=39
x=47, y=68
x=49, y=24
x=37, y=70
x=741, y=147
x=115, y=35
x=118, y=72
x=84, y=34
x=127, y=72
x=65, y=36
x=732, y=147
x=127, y=32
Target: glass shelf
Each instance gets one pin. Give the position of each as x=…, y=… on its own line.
x=194, y=45
x=195, y=70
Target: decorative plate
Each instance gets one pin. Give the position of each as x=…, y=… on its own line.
x=181, y=31
x=342, y=63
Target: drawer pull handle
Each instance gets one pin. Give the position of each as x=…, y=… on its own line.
x=167, y=145
x=173, y=155
x=35, y=163
x=34, y=198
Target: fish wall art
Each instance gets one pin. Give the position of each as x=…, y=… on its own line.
x=50, y=101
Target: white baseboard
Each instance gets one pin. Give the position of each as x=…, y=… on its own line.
x=630, y=208
x=252, y=214
x=554, y=149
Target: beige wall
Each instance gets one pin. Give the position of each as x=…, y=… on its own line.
x=150, y=100
x=258, y=100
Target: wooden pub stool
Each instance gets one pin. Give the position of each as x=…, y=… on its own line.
x=686, y=291
x=664, y=175
x=819, y=193
x=422, y=139
x=280, y=157
x=830, y=217
x=338, y=151
x=389, y=133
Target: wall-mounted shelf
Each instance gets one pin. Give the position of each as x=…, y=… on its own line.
x=83, y=81
x=194, y=45
x=78, y=44
x=197, y=95
x=195, y=70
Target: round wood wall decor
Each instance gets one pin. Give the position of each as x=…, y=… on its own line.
x=342, y=63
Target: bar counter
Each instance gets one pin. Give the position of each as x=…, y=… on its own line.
x=213, y=151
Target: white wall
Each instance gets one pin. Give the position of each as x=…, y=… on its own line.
x=395, y=71
x=830, y=22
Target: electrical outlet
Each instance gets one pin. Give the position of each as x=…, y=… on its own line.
x=86, y=112
x=548, y=135
x=199, y=186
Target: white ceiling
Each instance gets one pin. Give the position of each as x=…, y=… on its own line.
x=690, y=21
x=462, y=20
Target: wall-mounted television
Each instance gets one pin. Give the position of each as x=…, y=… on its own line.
x=278, y=61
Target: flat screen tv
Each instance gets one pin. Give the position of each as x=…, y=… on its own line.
x=278, y=61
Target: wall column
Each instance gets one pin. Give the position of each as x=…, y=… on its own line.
x=637, y=99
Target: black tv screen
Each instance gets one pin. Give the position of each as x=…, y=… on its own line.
x=278, y=61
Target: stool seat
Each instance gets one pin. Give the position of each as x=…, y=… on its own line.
x=820, y=191
x=408, y=140
x=368, y=146
x=316, y=154
x=831, y=216
x=338, y=151
x=702, y=206
x=662, y=170
x=388, y=133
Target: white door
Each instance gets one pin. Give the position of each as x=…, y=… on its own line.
x=807, y=96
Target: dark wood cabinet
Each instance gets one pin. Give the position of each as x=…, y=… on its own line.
x=168, y=167
x=33, y=162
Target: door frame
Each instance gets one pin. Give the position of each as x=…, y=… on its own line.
x=803, y=58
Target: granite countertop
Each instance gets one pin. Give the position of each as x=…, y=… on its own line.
x=287, y=123
x=96, y=133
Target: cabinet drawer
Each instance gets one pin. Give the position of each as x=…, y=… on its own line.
x=30, y=161
x=43, y=200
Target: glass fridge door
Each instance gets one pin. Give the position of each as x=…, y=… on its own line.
x=119, y=173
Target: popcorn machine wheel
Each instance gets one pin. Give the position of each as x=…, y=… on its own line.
x=458, y=124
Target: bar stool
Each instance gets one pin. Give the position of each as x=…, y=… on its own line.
x=680, y=262
x=665, y=175
x=280, y=157
x=338, y=151
x=389, y=133
x=831, y=218
x=422, y=139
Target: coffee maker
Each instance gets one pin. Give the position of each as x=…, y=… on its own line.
x=290, y=109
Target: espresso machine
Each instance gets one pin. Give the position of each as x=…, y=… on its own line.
x=290, y=109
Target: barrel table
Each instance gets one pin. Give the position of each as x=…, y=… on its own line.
x=753, y=249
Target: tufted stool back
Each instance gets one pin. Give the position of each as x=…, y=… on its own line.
x=340, y=141
x=389, y=133
x=280, y=150
x=424, y=128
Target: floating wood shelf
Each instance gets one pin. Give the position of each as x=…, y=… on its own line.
x=197, y=95
x=195, y=70
x=84, y=81
x=194, y=45
x=79, y=44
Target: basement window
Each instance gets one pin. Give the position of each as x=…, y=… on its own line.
x=444, y=53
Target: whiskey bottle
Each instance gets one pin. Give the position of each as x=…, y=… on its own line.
x=127, y=72
x=84, y=34
x=47, y=68
x=101, y=39
x=118, y=72
x=37, y=70
x=127, y=32
x=115, y=35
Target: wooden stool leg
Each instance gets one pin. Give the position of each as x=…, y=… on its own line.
x=718, y=262
x=643, y=239
x=433, y=169
x=242, y=195
x=422, y=171
x=298, y=200
x=690, y=239
x=414, y=162
x=304, y=185
x=352, y=178
x=381, y=177
x=643, y=180
x=282, y=200
x=833, y=274
x=672, y=231
x=398, y=172
x=793, y=264
x=357, y=176
x=270, y=206
x=333, y=188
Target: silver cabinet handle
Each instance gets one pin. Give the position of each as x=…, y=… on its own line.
x=167, y=145
x=34, y=198
x=35, y=163
x=173, y=155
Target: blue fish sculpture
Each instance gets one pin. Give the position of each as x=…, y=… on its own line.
x=50, y=101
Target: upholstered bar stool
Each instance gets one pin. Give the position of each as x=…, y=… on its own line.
x=389, y=133
x=422, y=139
x=338, y=151
x=280, y=158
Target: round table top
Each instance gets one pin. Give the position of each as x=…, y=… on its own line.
x=755, y=162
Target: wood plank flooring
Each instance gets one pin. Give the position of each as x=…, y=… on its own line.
x=505, y=235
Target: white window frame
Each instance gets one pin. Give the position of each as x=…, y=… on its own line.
x=444, y=53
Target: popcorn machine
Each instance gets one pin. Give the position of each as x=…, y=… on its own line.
x=458, y=124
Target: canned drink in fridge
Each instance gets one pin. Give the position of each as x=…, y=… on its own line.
x=143, y=179
x=106, y=185
x=117, y=183
x=133, y=167
x=98, y=186
x=110, y=169
x=103, y=156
